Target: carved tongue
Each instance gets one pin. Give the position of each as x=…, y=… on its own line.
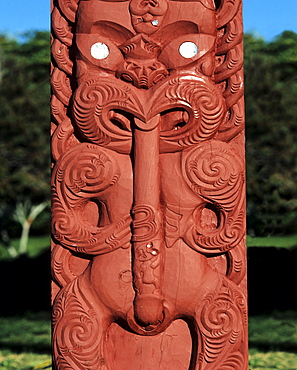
x=147, y=239
x=148, y=311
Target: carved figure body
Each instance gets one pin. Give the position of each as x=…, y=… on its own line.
x=148, y=185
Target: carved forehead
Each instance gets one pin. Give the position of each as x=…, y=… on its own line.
x=90, y=12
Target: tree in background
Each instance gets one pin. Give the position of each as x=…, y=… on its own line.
x=271, y=128
x=24, y=122
x=271, y=118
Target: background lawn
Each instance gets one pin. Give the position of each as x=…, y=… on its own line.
x=25, y=342
x=287, y=241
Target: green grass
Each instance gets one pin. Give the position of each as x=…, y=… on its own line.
x=25, y=342
x=273, y=341
x=36, y=246
x=277, y=331
x=24, y=361
x=288, y=241
x=272, y=360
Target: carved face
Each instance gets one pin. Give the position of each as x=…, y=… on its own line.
x=150, y=69
x=137, y=48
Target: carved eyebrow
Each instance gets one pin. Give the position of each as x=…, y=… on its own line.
x=176, y=29
x=117, y=33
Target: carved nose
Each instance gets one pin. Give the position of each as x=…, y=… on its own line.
x=147, y=237
x=142, y=73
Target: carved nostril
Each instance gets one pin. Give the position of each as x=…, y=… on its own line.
x=174, y=119
x=120, y=119
x=153, y=3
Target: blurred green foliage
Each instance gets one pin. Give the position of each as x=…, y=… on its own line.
x=36, y=246
x=25, y=342
x=271, y=121
x=273, y=341
x=24, y=122
x=283, y=241
x=271, y=130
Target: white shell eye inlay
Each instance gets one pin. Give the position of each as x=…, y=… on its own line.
x=188, y=49
x=99, y=50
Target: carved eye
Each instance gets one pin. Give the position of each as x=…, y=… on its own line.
x=99, y=50
x=188, y=49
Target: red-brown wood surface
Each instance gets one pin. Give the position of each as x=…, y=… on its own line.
x=148, y=185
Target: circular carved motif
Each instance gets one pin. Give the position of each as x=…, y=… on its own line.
x=82, y=175
x=214, y=172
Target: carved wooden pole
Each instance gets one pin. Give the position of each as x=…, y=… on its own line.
x=148, y=196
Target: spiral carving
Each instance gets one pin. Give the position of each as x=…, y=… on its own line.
x=61, y=86
x=229, y=72
x=92, y=102
x=215, y=173
x=69, y=8
x=58, y=110
x=61, y=27
x=62, y=139
x=237, y=266
x=61, y=55
x=235, y=361
x=204, y=104
x=65, y=267
x=235, y=123
x=90, y=172
x=223, y=324
x=76, y=330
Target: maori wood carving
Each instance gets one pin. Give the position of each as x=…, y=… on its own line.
x=148, y=196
